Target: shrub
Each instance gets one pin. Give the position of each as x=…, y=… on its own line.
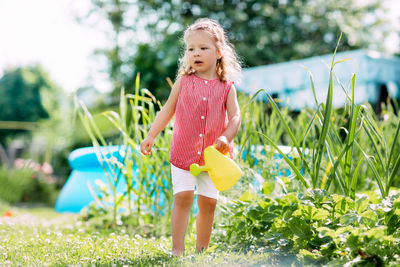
x=27, y=181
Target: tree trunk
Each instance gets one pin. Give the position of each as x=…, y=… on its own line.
x=3, y=156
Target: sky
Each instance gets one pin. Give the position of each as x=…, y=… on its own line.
x=46, y=32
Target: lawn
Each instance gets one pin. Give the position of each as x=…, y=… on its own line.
x=39, y=236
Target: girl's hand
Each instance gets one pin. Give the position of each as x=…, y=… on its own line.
x=147, y=145
x=222, y=144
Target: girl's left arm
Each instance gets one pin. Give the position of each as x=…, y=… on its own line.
x=232, y=107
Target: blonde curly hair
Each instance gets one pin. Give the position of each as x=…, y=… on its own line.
x=228, y=66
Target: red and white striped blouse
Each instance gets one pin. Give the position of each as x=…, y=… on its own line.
x=200, y=118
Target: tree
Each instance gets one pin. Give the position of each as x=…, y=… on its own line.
x=263, y=32
x=21, y=91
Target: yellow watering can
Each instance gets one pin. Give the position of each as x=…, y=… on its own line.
x=223, y=171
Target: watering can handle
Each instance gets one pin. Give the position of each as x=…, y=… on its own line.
x=226, y=154
x=195, y=169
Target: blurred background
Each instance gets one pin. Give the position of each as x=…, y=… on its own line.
x=51, y=50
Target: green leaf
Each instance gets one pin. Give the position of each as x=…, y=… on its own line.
x=388, y=238
x=396, y=167
x=298, y=213
x=266, y=203
x=342, y=230
x=343, y=205
x=333, y=171
x=326, y=231
x=288, y=161
x=353, y=241
x=312, y=213
x=289, y=131
x=325, y=124
x=248, y=196
x=373, y=197
x=353, y=186
x=377, y=175
x=308, y=254
x=361, y=204
x=300, y=228
x=254, y=215
x=95, y=197
x=268, y=187
x=395, y=140
x=350, y=143
x=375, y=144
x=396, y=203
x=120, y=197
x=377, y=232
x=349, y=218
x=319, y=214
x=337, y=198
x=369, y=217
x=312, y=86
x=269, y=217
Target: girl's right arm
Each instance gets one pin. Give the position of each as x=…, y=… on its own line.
x=163, y=117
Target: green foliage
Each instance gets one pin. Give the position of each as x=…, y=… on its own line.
x=387, y=164
x=149, y=193
x=275, y=30
x=263, y=32
x=25, y=185
x=14, y=183
x=338, y=157
x=323, y=226
x=21, y=97
x=318, y=211
x=35, y=112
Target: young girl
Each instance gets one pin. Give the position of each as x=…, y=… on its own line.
x=206, y=110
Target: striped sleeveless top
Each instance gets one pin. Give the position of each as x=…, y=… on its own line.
x=200, y=118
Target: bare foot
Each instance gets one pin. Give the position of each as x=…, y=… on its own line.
x=200, y=250
x=177, y=253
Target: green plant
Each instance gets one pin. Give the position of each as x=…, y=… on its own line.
x=14, y=182
x=319, y=150
x=386, y=162
x=335, y=161
x=147, y=178
x=315, y=224
x=23, y=183
x=330, y=218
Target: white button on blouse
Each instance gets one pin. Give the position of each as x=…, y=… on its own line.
x=202, y=117
x=204, y=99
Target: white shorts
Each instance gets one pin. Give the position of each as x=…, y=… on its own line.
x=183, y=180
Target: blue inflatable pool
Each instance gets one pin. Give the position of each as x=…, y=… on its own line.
x=86, y=169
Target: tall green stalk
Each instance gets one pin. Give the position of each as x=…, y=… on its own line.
x=147, y=178
x=331, y=147
x=385, y=164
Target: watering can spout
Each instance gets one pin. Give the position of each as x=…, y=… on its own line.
x=195, y=169
x=223, y=171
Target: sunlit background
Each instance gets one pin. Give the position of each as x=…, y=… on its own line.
x=48, y=32
x=81, y=82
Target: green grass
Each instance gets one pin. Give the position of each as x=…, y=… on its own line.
x=42, y=237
